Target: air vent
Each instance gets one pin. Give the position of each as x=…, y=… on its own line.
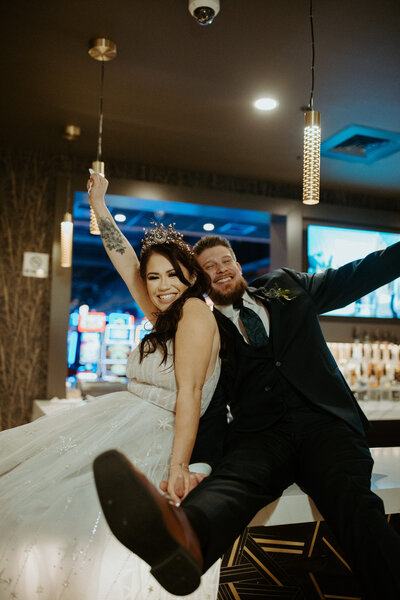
x=361, y=144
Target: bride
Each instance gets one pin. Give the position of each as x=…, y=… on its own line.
x=54, y=541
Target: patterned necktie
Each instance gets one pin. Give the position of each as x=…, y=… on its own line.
x=253, y=325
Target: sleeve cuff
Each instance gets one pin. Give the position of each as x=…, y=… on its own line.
x=200, y=468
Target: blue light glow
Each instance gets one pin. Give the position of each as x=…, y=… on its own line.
x=72, y=345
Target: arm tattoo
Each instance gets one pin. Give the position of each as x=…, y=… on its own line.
x=111, y=236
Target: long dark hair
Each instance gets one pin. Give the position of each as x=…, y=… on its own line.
x=167, y=321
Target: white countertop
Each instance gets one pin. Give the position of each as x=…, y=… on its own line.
x=46, y=407
x=381, y=410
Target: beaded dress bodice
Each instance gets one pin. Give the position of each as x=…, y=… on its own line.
x=155, y=382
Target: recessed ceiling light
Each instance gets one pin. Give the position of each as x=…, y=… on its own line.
x=120, y=218
x=266, y=103
x=208, y=226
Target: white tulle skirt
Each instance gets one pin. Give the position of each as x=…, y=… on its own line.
x=54, y=541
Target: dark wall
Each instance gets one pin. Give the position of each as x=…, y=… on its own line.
x=27, y=186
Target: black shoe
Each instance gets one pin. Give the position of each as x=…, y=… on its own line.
x=144, y=521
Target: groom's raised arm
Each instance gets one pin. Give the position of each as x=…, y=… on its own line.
x=335, y=288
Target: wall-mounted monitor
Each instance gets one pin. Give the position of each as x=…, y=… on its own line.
x=332, y=247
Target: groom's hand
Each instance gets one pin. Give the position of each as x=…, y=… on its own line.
x=194, y=480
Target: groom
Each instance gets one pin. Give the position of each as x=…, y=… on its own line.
x=294, y=420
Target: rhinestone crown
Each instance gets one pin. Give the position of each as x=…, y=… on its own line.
x=160, y=234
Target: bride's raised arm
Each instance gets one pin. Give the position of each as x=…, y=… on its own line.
x=120, y=251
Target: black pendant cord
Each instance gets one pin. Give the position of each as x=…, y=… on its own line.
x=311, y=102
x=100, y=137
x=69, y=198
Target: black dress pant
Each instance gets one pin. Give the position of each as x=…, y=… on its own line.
x=333, y=465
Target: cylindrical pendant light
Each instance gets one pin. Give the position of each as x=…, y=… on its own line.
x=103, y=50
x=312, y=138
x=311, y=160
x=67, y=225
x=98, y=167
x=67, y=229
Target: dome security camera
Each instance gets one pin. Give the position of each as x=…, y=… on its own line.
x=204, y=11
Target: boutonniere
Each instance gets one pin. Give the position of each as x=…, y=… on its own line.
x=277, y=293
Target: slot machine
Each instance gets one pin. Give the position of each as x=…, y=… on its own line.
x=117, y=345
x=91, y=325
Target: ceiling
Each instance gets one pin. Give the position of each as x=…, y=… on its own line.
x=180, y=95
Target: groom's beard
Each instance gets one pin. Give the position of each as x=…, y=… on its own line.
x=230, y=297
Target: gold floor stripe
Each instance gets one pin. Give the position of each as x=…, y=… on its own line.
x=264, y=568
x=336, y=553
x=320, y=594
x=314, y=538
x=284, y=550
x=343, y=597
x=283, y=542
x=388, y=518
x=233, y=590
x=232, y=556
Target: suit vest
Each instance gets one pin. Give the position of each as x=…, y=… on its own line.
x=258, y=393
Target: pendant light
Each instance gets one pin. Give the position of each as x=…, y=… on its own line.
x=103, y=50
x=312, y=139
x=67, y=230
x=71, y=133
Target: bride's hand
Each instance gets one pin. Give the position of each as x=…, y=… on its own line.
x=97, y=187
x=178, y=483
x=195, y=479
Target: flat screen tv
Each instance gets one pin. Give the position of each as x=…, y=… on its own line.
x=332, y=247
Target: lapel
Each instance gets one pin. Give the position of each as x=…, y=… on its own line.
x=224, y=323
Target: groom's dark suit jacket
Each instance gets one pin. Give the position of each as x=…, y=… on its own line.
x=298, y=348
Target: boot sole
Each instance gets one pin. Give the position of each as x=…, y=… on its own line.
x=136, y=520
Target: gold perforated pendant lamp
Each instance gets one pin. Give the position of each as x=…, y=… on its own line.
x=312, y=137
x=103, y=50
x=311, y=161
x=67, y=230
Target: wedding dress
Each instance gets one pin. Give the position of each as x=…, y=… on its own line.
x=54, y=541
